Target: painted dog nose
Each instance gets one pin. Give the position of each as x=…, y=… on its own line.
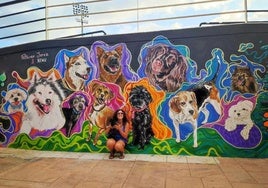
x=191, y=112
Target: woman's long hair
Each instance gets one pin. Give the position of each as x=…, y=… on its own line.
x=115, y=119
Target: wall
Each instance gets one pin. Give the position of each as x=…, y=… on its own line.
x=200, y=91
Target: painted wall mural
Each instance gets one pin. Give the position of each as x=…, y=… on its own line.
x=190, y=95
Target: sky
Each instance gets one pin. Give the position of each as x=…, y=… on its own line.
x=121, y=16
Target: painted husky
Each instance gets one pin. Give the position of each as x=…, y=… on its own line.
x=44, y=100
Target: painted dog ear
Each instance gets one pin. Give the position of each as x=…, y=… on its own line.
x=99, y=51
x=71, y=101
x=119, y=49
x=35, y=77
x=66, y=58
x=174, y=105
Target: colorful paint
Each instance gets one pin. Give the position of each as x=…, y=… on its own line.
x=60, y=98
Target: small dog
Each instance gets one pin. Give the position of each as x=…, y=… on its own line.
x=101, y=112
x=76, y=73
x=239, y=114
x=166, y=67
x=15, y=99
x=44, y=111
x=183, y=108
x=78, y=104
x=110, y=66
x=243, y=80
x=140, y=99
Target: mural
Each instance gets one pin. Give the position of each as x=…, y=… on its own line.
x=62, y=98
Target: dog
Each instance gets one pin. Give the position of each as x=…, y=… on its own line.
x=238, y=115
x=243, y=80
x=183, y=108
x=15, y=99
x=110, y=66
x=140, y=99
x=44, y=100
x=166, y=67
x=76, y=72
x=101, y=113
x=187, y=105
x=78, y=104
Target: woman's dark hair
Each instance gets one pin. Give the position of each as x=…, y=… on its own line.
x=115, y=119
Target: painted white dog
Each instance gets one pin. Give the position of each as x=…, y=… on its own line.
x=239, y=114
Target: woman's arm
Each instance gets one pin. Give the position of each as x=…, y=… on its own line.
x=126, y=131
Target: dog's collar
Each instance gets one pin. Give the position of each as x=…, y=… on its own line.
x=138, y=110
x=98, y=110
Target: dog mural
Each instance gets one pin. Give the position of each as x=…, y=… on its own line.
x=140, y=98
x=110, y=66
x=166, y=67
x=44, y=99
x=103, y=106
x=15, y=99
x=243, y=80
x=113, y=63
x=196, y=107
x=240, y=115
x=76, y=73
x=74, y=108
x=75, y=68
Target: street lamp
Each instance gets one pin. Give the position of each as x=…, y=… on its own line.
x=82, y=10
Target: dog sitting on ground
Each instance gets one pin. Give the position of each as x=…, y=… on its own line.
x=15, y=99
x=110, y=66
x=243, y=80
x=101, y=113
x=76, y=73
x=78, y=104
x=239, y=115
x=44, y=111
x=166, y=67
x=140, y=99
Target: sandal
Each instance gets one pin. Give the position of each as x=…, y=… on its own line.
x=111, y=156
x=121, y=156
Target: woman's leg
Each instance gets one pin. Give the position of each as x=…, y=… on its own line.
x=111, y=147
x=120, y=147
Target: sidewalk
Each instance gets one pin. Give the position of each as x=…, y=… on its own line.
x=28, y=168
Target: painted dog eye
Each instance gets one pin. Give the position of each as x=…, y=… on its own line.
x=18, y=94
x=182, y=103
x=40, y=93
x=12, y=95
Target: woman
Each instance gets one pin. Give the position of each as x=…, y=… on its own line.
x=117, y=132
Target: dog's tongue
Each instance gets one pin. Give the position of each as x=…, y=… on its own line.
x=16, y=102
x=85, y=76
x=46, y=108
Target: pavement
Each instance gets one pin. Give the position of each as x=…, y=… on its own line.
x=30, y=168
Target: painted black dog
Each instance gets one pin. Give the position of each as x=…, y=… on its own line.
x=77, y=106
x=140, y=99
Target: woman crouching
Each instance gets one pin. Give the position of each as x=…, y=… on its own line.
x=117, y=133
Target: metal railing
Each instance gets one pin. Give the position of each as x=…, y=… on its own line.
x=138, y=20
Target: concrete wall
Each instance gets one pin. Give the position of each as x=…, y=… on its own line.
x=200, y=91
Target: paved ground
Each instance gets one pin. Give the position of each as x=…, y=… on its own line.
x=27, y=168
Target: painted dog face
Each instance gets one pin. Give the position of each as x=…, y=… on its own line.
x=77, y=67
x=110, y=61
x=78, y=103
x=185, y=103
x=166, y=67
x=140, y=97
x=101, y=93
